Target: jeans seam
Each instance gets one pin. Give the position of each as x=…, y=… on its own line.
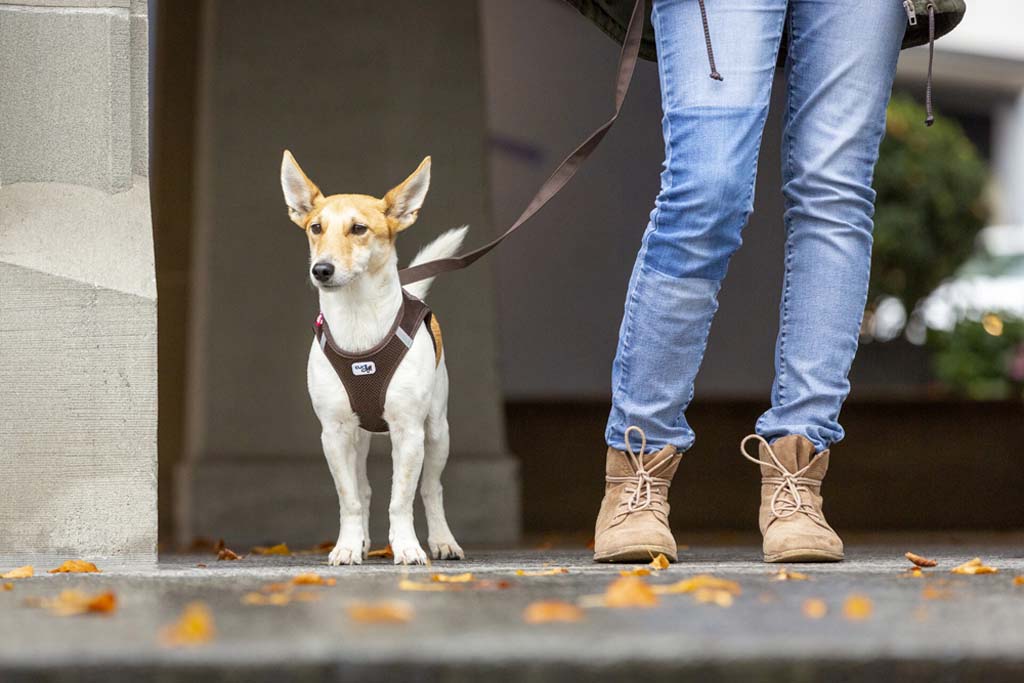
x=786, y=280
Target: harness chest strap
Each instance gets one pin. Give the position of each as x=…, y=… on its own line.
x=366, y=376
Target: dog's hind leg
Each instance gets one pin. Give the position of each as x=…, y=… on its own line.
x=407, y=459
x=362, y=451
x=439, y=536
x=340, y=447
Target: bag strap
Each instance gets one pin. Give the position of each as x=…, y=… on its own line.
x=565, y=171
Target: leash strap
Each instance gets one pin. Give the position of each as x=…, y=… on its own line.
x=565, y=171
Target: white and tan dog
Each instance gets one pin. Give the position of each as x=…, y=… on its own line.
x=354, y=265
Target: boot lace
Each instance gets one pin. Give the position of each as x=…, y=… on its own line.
x=642, y=484
x=790, y=487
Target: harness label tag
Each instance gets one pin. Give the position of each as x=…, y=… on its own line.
x=364, y=368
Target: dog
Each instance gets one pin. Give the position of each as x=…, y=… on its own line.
x=354, y=266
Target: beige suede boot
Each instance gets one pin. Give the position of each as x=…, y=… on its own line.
x=632, y=525
x=791, y=518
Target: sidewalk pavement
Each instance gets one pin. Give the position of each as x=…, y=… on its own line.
x=941, y=626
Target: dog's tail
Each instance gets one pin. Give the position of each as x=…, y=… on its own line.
x=444, y=246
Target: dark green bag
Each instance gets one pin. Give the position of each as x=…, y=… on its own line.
x=612, y=16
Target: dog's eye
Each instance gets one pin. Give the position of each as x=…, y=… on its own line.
x=316, y=229
x=358, y=229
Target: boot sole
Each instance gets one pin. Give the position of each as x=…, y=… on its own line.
x=804, y=555
x=637, y=553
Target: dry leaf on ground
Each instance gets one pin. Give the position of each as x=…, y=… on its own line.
x=263, y=599
x=975, y=566
x=1018, y=581
x=386, y=612
x=858, y=607
x=194, y=627
x=224, y=552
x=312, y=579
x=660, y=562
x=550, y=611
x=715, y=596
x=553, y=571
x=279, y=549
x=699, y=582
x=452, y=578
x=409, y=585
x=75, y=567
x=630, y=591
x=785, y=574
x=636, y=571
x=915, y=572
x=919, y=560
x=25, y=572
x=72, y=602
x=7, y=586
x=814, y=608
x=386, y=551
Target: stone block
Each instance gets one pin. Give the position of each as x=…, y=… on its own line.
x=64, y=93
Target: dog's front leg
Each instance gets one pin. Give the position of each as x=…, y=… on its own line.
x=407, y=459
x=340, y=447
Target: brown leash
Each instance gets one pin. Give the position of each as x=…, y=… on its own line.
x=565, y=171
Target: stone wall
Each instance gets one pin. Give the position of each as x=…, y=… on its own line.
x=77, y=291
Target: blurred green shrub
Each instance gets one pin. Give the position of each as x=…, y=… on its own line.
x=930, y=206
x=981, y=359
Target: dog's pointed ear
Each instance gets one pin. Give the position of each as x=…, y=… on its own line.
x=403, y=202
x=300, y=193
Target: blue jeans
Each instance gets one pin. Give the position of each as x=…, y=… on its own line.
x=841, y=59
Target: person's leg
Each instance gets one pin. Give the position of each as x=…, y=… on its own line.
x=712, y=132
x=840, y=67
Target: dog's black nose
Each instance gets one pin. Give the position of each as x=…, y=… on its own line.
x=323, y=271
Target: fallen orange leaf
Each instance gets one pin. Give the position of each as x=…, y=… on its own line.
x=1018, y=581
x=75, y=567
x=20, y=573
x=717, y=596
x=312, y=579
x=386, y=551
x=915, y=572
x=551, y=610
x=785, y=574
x=408, y=585
x=858, y=607
x=71, y=602
x=194, y=627
x=697, y=582
x=974, y=566
x=275, y=599
x=386, y=612
x=279, y=549
x=8, y=586
x=815, y=608
x=919, y=560
x=554, y=571
x=636, y=571
x=452, y=578
x=659, y=562
x=630, y=591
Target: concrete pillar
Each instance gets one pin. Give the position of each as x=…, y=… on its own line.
x=360, y=96
x=77, y=288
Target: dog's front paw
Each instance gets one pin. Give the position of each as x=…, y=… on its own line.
x=409, y=553
x=346, y=553
x=446, y=549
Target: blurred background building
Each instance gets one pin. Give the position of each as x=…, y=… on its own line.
x=497, y=93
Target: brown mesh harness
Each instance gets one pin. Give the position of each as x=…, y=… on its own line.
x=367, y=375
